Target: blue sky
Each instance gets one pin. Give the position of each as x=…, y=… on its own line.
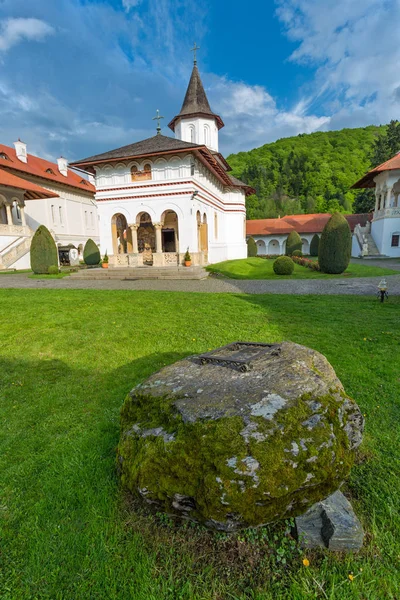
x=78, y=77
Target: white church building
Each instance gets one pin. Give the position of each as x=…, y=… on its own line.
x=35, y=191
x=381, y=237
x=161, y=196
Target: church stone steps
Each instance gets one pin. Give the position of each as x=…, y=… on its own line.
x=141, y=273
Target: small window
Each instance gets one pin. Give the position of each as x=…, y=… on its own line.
x=18, y=212
x=206, y=135
x=395, y=240
x=192, y=134
x=84, y=181
x=53, y=214
x=50, y=171
x=86, y=218
x=60, y=214
x=4, y=156
x=91, y=219
x=192, y=168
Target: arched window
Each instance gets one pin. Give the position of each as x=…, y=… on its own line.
x=192, y=168
x=215, y=226
x=192, y=135
x=206, y=135
x=134, y=172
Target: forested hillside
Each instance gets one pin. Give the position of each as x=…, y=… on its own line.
x=314, y=172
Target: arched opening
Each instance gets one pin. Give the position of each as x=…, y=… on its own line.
x=120, y=233
x=305, y=248
x=396, y=193
x=169, y=231
x=192, y=135
x=273, y=247
x=261, y=247
x=146, y=237
x=198, y=221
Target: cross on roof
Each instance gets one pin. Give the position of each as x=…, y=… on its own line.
x=157, y=118
x=194, y=50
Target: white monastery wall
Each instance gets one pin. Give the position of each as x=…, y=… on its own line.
x=386, y=221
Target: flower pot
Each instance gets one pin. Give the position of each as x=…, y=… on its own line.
x=104, y=265
x=188, y=263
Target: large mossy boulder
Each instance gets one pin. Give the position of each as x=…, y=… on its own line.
x=233, y=449
x=43, y=251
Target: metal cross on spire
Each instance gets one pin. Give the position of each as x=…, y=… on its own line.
x=194, y=50
x=158, y=118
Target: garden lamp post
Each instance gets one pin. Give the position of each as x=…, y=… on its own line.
x=382, y=290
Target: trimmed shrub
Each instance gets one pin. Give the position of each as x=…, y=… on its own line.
x=306, y=262
x=297, y=253
x=91, y=253
x=251, y=247
x=314, y=245
x=283, y=266
x=43, y=252
x=53, y=270
x=293, y=243
x=335, y=245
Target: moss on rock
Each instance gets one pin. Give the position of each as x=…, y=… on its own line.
x=233, y=449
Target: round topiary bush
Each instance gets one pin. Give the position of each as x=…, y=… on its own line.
x=297, y=253
x=283, y=266
x=293, y=243
x=43, y=251
x=314, y=245
x=53, y=270
x=91, y=253
x=251, y=247
x=335, y=245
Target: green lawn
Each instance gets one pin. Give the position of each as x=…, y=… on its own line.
x=67, y=530
x=261, y=268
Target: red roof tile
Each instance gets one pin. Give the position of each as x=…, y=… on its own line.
x=313, y=223
x=367, y=181
x=32, y=191
x=38, y=167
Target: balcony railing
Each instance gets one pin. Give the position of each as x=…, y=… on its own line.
x=18, y=230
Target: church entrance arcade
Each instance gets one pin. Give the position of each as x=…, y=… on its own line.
x=146, y=237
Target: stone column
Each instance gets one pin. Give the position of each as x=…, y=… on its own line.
x=158, y=228
x=388, y=197
x=9, y=215
x=134, y=229
x=22, y=212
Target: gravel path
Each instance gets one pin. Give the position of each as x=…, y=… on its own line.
x=363, y=286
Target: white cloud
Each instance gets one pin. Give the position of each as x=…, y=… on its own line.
x=356, y=50
x=14, y=31
x=252, y=117
x=129, y=4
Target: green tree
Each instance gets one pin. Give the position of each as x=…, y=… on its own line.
x=335, y=245
x=314, y=245
x=293, y=243
x=364, y=201
x=43, y=252
x=251, y=247
x=91, y=253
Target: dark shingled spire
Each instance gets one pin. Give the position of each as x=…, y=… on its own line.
x=195, y=102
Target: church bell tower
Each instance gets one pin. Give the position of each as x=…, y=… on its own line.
x=196, y=123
